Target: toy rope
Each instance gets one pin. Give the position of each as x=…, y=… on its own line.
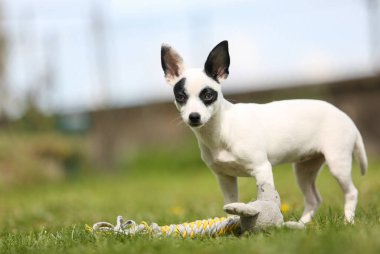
x=209, y=227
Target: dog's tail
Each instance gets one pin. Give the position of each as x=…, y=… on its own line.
x=360, y=154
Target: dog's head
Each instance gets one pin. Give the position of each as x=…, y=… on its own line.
x=197, y=91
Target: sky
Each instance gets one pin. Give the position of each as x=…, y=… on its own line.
x=56, y=48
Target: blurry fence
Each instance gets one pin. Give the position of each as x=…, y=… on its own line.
x=116, y=132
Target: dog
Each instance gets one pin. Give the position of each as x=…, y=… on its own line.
x=248, y=139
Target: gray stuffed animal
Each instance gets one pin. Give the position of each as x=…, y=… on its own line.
x=262, y=213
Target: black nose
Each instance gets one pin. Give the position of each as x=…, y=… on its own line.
x=194, y=118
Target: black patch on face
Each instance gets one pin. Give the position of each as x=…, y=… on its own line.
x=179, y=92
x=208, y=96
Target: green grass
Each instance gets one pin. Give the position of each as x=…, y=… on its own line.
x=173, y=186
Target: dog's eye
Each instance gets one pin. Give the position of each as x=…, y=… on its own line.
x=208, y=96
x=180, y=97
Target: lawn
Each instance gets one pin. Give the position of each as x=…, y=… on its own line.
x=173, y=186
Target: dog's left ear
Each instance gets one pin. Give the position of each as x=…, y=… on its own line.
x=172, y=64
x=218, y=62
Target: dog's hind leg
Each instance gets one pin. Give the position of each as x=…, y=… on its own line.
x=306, y=173
x=340, y=167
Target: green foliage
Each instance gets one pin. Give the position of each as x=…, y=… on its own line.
x=33, y=120
x=29, y=159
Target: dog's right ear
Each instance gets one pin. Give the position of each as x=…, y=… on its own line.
x=172, y=64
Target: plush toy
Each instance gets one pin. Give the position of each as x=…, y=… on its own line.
x=261, y=213
x=252, y=217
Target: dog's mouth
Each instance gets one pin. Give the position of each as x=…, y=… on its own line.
x=195, y=125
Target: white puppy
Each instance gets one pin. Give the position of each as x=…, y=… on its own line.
x=248, y=139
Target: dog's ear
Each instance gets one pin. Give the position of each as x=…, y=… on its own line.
x=172, y=64
x=218, y=61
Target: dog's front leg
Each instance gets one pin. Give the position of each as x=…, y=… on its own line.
x=263, y=173
x=229, y=187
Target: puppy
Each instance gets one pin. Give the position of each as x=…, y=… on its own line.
x=247, y=140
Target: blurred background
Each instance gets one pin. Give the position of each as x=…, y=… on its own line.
x=82, y=89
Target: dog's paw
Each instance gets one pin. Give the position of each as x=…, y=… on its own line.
x=294, y=224
x=240, y=209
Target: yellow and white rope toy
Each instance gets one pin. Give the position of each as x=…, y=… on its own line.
x=254, y=216
x=208, y=227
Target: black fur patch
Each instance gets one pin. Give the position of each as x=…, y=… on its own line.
x=208, y=96
x=179, y=92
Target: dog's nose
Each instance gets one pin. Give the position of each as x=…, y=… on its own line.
x=194, y=118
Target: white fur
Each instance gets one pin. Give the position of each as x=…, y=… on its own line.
x=248, y=139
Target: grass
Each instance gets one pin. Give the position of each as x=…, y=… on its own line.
x=173, y=186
